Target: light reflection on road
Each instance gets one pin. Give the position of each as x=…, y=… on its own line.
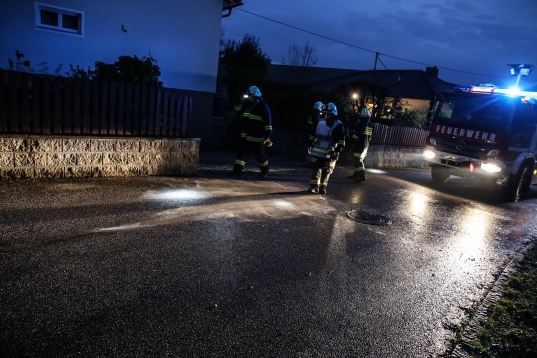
x=418, y=203
x=176, y=194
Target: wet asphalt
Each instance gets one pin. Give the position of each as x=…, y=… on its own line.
x=212, y=266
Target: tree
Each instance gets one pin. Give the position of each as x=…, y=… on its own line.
x=354, y=96
x=242, y=64
x=300, y=63
x=301, y=56
x=386, y=109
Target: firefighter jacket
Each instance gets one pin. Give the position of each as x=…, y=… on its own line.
x=256, y=121
x=326, y=139
x=361, y=132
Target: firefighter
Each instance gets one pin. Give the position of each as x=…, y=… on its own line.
x=313, y=119
x=315, y=115
x=360, y=138
x=325, y=144
x=256, y=129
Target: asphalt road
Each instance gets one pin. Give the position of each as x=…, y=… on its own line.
x=210, y=266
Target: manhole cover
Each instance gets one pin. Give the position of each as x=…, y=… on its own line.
x=368, y=217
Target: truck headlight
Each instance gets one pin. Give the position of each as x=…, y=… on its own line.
x=493, y=168
x=428, y=154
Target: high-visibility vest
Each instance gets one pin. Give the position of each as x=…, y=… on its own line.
x=324, y=143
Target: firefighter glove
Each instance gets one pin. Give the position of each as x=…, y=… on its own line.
x=334, y=155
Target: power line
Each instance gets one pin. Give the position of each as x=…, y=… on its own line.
x=360, y=48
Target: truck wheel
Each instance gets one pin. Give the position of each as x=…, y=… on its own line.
x=439, y=173
x=519, y=184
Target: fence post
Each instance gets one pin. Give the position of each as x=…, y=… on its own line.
x=121, y=108
x=3, y=102
x=95, y=107
x=67, y=108
x=143, y=116
x=36, y=126
x=77, y=110
x=13, y=114
x=151, y=114
x=25, y=103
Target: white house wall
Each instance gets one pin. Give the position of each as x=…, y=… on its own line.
x=182, y=35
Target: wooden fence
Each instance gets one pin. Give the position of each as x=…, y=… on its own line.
x=403, y=136
x=34, y=104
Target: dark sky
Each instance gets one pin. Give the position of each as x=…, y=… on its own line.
x=471, y=41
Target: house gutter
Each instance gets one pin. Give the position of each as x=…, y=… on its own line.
x=230, y=7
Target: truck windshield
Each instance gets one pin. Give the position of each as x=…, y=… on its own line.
x=476, y=110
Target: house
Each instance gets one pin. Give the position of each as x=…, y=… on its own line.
x=183, y=36
x=416, y=87
x=280, y=72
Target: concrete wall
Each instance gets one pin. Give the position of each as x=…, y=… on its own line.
x=55, y=157
x=294, y=142
x=384, y=156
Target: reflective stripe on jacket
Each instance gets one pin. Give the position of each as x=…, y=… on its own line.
x=327, y=139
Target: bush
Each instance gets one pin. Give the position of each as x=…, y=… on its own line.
x=127, y=69
x=409, y=118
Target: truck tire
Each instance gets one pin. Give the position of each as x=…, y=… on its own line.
x=518, y=185
x=439, y=173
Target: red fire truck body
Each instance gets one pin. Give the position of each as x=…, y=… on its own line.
x=487, y=133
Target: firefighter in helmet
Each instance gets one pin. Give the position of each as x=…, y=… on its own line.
x=361, y=136
x=315, y=115
x=256, y=129
x=313, y=119
x=326, y=142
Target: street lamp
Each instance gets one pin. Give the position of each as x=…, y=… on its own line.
x=354, y=103
x=520, y=70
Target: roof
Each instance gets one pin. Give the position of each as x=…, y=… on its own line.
x=414, y=84
x=229, y=4
x=305, y=74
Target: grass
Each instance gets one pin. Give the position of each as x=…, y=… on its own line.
x=510, y=329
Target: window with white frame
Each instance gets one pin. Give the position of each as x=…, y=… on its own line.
x=59, y=19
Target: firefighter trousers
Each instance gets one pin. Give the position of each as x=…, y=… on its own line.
x=359, y=167
x=321, y=170
x=246, y=148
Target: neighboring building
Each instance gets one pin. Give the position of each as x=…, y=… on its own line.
x=184, y=36
x=280, y=72
x=416, y=87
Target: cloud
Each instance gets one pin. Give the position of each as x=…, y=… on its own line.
x=478, y=37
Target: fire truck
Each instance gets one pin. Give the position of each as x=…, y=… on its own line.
x=485, y=132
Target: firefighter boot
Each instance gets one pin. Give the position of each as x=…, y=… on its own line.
x=322, y=189
x=353, y=176
x=314, y=189
x=264, y=172
x=361, y=178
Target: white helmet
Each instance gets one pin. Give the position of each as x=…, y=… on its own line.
x=330, y=108
x=365, y=113
x=318, y=105
x=253, y=91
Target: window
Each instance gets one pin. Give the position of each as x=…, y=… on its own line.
x=490, y=110
x=59, y=19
